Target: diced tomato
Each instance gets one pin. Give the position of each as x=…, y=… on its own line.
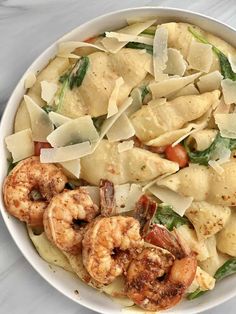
x=158, y=149
x=39, y=145
x=177, y=154
x=90, y=40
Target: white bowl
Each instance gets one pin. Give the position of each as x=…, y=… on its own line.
x=64, y=281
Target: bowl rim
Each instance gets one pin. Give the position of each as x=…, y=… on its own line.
x=42, y=55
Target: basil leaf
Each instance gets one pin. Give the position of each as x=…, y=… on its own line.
x=167, y=217
x=202, y=157
x=135, y=45
x=225, y=67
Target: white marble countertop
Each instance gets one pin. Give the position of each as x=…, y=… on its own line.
x=27, y=27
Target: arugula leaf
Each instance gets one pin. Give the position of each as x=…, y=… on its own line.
x=11, y=164
x=167, y=217
x=150, y=31
x=135, y=45
x=226, y=69
x=202, y=157
x=47, y=108
x=77, y=75
x=144, y=92
x=227, y=269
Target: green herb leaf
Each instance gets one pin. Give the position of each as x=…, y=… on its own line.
x=77, y=76
x=150, y=31
x=227, y=269
x=98, y=122
x=64, y=77
x=144, y=92
x=167, y=217
x=11, y=164
x=195, y=294
x=135, y=45
x=70, y=186
x=202, y=157
x=47, y=108
x=226, y=69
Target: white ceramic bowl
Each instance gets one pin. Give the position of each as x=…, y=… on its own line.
x=63, y=281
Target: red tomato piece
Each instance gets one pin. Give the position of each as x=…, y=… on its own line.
x=177, y=154
x=39, y=145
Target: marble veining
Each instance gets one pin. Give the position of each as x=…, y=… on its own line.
x=27, y=27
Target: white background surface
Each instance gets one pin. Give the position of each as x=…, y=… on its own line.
x=27, y=27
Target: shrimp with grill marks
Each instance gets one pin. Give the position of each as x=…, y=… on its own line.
x=28, y=179
x=65, y=219
x=109, y=245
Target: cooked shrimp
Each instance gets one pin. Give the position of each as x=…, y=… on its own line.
x=108, y=246
x=27, y=177
x=157, y=281
x=63, y=217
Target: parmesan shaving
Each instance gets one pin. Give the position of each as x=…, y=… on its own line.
x=58, y=119
x=20, y=145
x=126, y=37
x=94, y=193
x=184, y=136
x=107, y=124
x=176, y=65
x=215, y=165
x=113, y=45
x=160, y=56
x=121, y=195
x=226, y=124
x=209, y=82
x=222, y=107
x=232, y=61
x=229, y=91
x=136, y=102
x=167, y=87
x=41, y=125
x=133, y=197
x=200, y=56
x=179, y=203
x=67, y=153
x=185, y=91
x=74, y=131
x=73, y=166
x=48, y=90
x=65, y=48
x=30, y=79
x=122, y=129
x=220, y=156
x=112, y=103
x=124, y=146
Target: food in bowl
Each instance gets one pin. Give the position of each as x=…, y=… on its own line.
x=125, y=170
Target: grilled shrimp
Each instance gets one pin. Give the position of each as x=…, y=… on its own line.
x=27, y=177
x=157, y=279
x=109, y=244
x=65, y=217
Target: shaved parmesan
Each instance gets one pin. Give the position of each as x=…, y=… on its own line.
x=179, y=203
x=41, y=125
x=30, y=79
x=94, y=193
x=200, y=56
x=220, y=156
x=48, y=90
x=74, y=131
x=229, y=91
x=122, y=129
x=126, y=37
x=20, y=145
x=113, y=45
x=136, y=102
x=232, y=61
x=58, y=119
x=216, y=166
x=222, y=107
x=61, y=154
x=133, y=197
x=176, y=65
x=108, y=123
x=184, y=136
x=209, y=82
x=226, y=124
x=124, y=146
x=73, y=166
x=112, y=106
x=166, y=87
x=187, y=90
x=121, y=195
x=65, y=48
x=160, y=56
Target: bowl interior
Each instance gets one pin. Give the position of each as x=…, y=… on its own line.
x=64, y=281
